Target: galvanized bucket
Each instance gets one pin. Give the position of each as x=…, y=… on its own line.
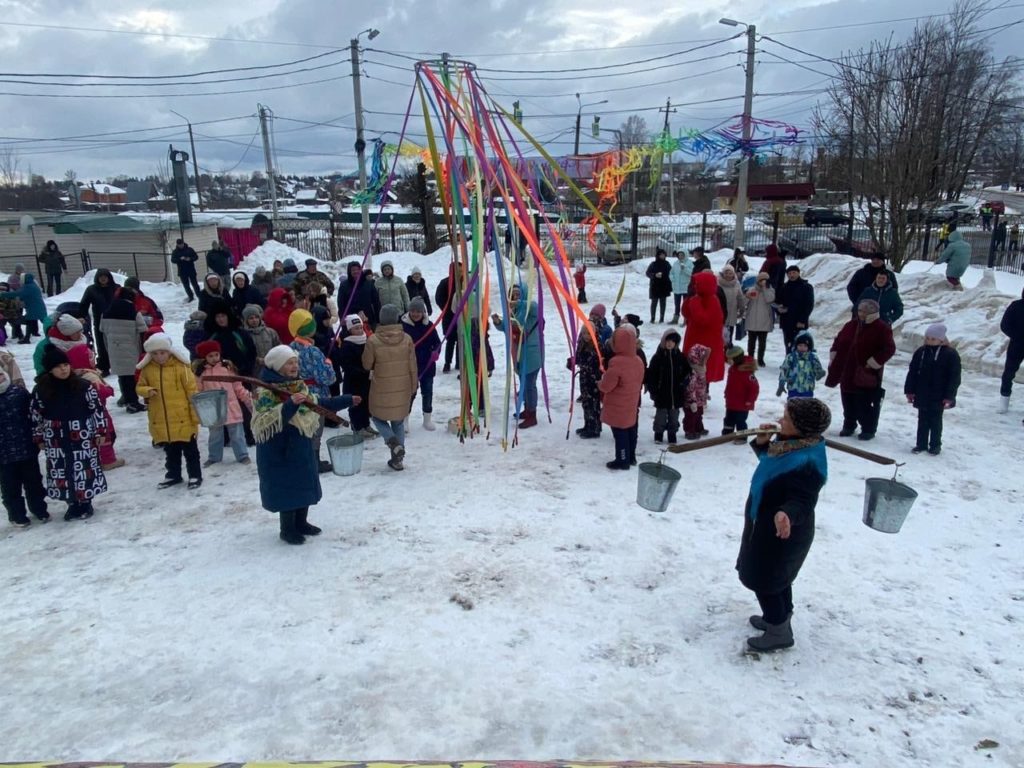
x=886, y=504
x=346, y=452
x=655, y=485
x=211, y=407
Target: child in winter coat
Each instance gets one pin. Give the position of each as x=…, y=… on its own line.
x=695, y=400
x=210, y=364
x=621, y=385
x=933, y=379
x=167, y=384
x=356, y=380
x=263, y=337
x=67, y=420
x=588, y=365
x=195, y=332
x=801, y=368
x=417, y=326
x=313, y=367
x=19, y=457
x=83, y=363
x=580, y=278
x=666, y=381
x=741, y=391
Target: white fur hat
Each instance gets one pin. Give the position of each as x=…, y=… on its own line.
x=158, y=342
x=278, y=356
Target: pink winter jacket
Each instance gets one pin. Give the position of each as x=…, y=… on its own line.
x=237, y=394
x=622, y=381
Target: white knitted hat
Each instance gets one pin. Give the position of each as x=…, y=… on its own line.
x=278, y=356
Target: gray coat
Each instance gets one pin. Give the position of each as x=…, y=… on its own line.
x=392, y=290
x=123, y=343
x=759, y=309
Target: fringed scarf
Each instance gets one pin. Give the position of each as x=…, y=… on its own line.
x=268, y=416
x=785, y=456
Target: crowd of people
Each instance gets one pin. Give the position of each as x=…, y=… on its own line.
x=369, y=345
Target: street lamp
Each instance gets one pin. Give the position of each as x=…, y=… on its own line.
x=195, y=162
x=579, y=113
x=360, y=142
x=748, y=99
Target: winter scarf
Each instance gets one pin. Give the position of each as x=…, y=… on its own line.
x=268, y=419
x=785, y=456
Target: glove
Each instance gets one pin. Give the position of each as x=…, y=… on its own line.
x=781, y=390
x=692, y=407
x=948, y=404
x=910, y=399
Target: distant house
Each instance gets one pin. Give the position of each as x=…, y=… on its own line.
x=100, y=194
x=139, y=193
x=309, y=197
x=766, y=197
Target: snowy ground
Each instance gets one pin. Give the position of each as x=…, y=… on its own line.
x=176, y=626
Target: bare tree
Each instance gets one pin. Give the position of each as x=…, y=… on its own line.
x=634, y=131
x=10, y=167
x=910, y=119
x=70, y=176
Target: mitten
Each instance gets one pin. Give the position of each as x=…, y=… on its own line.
x=781, y=390
x=910, y=399
x=948, y=403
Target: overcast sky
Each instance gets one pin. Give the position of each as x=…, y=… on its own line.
x=118, y=37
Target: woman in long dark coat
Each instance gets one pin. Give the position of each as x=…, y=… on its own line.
x=284, y=429
x=778, y=522
x=660, y=283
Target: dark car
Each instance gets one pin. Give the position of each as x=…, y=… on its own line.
x=818, y=216
x=862, y=245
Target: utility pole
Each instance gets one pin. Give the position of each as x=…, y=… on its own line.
x=748, y=100
x=357, y=96
x=579, y=112
x=195, y=160
x=671, y=176
x=269, y=161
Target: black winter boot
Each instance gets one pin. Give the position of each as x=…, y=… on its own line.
x=659, y=437
x=775, y=638
x=303, y=525
x=289, y=533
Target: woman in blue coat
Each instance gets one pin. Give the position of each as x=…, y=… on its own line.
x=527, y=351
x=284, y=430
x=31, y=298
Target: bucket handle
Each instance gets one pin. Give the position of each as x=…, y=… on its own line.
x=896, y=469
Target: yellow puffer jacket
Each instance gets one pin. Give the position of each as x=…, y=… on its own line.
x=172, y=419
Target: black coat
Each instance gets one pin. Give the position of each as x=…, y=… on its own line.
x=219, y=261
x=353, y=299
x=419, y=289
x=767, y=563
x=1012, y=324
x=797, y=296
x=185, y=258
x=864, y=277
x=933, y=376
x=247, y=294
x=236, y=346
x=98, y=298
x=444, y=300
x=661, y=283
x=666, y=378
x=357, y=378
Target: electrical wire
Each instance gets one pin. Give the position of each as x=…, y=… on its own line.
x=169, y=95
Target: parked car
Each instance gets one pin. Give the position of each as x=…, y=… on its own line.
x=861, y=245
x=610, y=252
x=754, y=240
x=962, y=213
x=997, y=206
x=802, y=242
x=685, y=239
x=817, y=216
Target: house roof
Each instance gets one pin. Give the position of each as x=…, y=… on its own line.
x=140, y=191
x=799, y=191
x=106, y=189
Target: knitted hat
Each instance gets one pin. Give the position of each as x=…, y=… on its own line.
x=936, y=331
x=809, y=415
x=158, y=342
x=416, y=271
x=763, y=276
x=198, y=316
x=389, y=314
x=633, y=320
x=68, y=325
x=869, y=305
x=301, y=323
x=599, y=310
x=734, y=353
x=792, y=268
x=289, y=262
x=418, y=305
x=203, y=348
x=252, y=310
x=352, y=321
x=132, y=282
x=80, y=356
x=53, y=356
x=278, y=356
x=385, y=264
x=311, y=262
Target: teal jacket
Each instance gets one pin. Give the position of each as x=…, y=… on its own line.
x=680, y=274
x=956, y=256
x=31, y=298
x=531, y=357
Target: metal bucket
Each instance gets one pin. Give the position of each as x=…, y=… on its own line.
x=655, y=485
x=211, y=407
x=346, y=452
x=886, y=504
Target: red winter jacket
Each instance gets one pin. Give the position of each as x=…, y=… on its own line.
x=622, y=381
x=279, y=309
x=741, y=387
x=580, y=276
x=704, y=322
x=860, y=353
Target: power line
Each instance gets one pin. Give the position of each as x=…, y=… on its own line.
x=176, y=77
x=169, y=95
x=12, y=139
x=833, y=27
